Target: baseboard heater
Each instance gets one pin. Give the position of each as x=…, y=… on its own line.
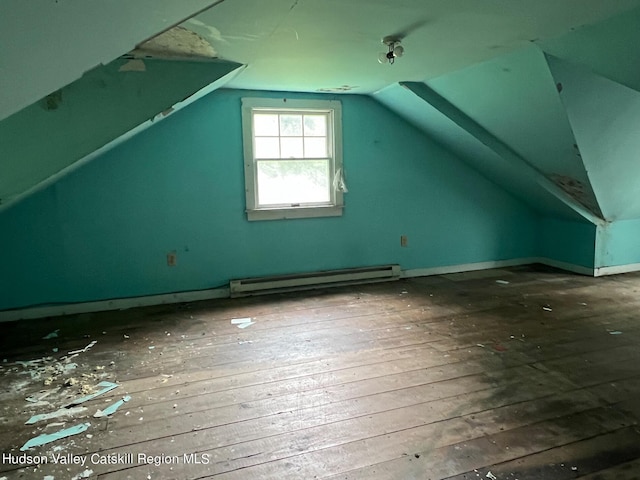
x=306, y=281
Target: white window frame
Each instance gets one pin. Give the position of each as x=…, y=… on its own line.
x=333, y=108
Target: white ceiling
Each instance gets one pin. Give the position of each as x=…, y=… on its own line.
x=333, y=45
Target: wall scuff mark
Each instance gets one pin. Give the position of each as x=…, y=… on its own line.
x=53, y=100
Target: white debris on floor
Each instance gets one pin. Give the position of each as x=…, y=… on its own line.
x=242, y=322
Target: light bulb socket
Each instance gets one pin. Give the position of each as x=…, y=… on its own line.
x=395, y=50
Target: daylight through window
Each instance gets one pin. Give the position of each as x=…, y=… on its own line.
x=292, y=158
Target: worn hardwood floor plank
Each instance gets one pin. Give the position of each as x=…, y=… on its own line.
x=429, y=377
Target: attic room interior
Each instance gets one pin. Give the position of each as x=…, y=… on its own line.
x=299, y=240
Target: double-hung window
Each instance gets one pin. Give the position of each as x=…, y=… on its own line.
x=293, y=158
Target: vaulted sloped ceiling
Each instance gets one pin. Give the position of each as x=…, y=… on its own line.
x=565, y=122
x=108, y=103
x=511, y=126
x=604, y=116
x=46, y=44
x=609, y=48
x=480, y=156
x=475, y=77
x=50, y=137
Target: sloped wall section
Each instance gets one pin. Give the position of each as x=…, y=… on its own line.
x=47, y=45
x=604, y=117
x=45, y=140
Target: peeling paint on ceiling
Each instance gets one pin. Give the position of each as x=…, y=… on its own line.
x=67, y=39
x=342, y=88
x=177, y=42
x=484, y=59
x=577, y=190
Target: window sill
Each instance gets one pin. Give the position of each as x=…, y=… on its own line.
x=296, y=212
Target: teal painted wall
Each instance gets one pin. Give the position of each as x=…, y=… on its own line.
x=568, y=241
x=618, y=243
x=104, y=230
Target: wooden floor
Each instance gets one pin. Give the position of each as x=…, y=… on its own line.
x=461, y=376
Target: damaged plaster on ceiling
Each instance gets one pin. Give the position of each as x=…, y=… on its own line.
x=176, y=43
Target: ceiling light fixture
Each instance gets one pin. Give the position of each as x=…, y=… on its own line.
x=394, y=51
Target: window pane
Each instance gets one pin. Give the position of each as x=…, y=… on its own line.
x=293, y=182
x=265, y=125
x=315, y=147
x=267, y=147
x=291, y=125
x=315, y=125
x=291, y=147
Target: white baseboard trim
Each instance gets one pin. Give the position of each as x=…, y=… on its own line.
x=616, y=269
x=570, y=267
x=115, y=304
x=467, y=267
x=216, y=293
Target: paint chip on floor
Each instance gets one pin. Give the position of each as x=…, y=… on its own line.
x=106, y=387
x=51, y=335
x=242, y=322
x=86, y=474
x=237, y=321
x=63, y=412
x=83, y=350
x=615, y=332
x=111, y=409
x=502, y=282
x=40, y=396
x=46, y=438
